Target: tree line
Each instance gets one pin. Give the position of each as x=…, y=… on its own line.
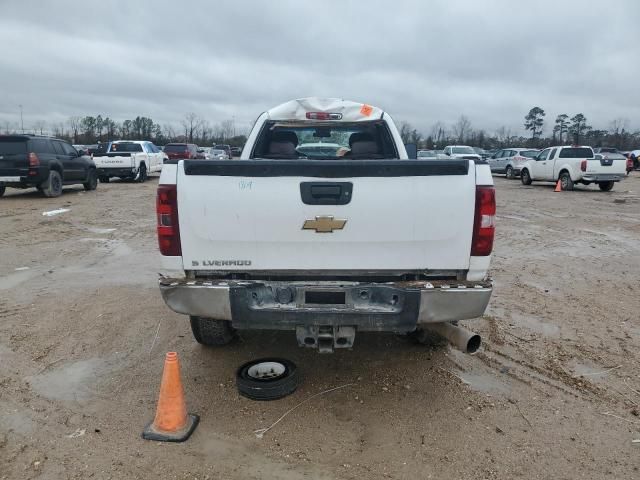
x=93, y=129
x=195, y=129
x=566, y=129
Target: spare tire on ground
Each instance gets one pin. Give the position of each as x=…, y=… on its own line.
x=267, y=378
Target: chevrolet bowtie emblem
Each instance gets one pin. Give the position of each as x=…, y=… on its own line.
x=324, y=224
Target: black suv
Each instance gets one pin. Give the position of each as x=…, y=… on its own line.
x=44, y=163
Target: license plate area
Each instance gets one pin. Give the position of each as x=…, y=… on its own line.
x=324, y=297
x=338, y=298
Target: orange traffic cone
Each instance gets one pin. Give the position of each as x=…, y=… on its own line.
x=558, y=187
x=172, y=423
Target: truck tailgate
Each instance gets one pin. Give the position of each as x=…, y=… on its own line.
x=400, y=214
x=113, y=160
x=606, y=166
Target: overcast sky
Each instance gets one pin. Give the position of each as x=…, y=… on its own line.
x=421, y=61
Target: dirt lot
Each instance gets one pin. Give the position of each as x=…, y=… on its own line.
x=553, y=393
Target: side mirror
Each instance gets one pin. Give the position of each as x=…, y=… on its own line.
x=412, y=150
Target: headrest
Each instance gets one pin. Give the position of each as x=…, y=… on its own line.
x=285, y=136
x=360, y=137
x=364, y=148
x=282, y=148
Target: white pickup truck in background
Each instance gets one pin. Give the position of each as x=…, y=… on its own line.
x=326, y=245
x=132, y=159
x=571, y=165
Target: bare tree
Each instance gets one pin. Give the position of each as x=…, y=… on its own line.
x=462, y=128
x=39, y=125
x=619, y=126
x=439, y=134
x=405, y=131
x=205, y=132
x=10, y=127
x=169, y=132
x=226, y=129
x=191, y=123
x=74, y=123
x=58, y=130
x=503, y=134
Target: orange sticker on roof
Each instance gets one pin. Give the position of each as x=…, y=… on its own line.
x=366, y=110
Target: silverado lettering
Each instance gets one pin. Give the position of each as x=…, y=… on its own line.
x=223, y=263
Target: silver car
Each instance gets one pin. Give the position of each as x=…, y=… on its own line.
x=510, y=160
x=217, y=154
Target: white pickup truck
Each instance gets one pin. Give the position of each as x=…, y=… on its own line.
x=571, y=165
x=133, y=159
x=326, y=245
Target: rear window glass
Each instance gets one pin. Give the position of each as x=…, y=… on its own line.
x=178, y=147
x=12, y=147
x=576, y=152
x=308, y=140
x=463, y=151
x=40, y=145
x=529, y=153
x=126, y=147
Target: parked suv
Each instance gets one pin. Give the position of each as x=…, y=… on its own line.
x=510, y=160
x=180, y=151
x=45, y=163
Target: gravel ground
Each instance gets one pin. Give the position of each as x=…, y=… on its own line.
x=553, y=393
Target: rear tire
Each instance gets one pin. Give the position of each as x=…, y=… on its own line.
x=142, y=174
x=2, y=190
x=53, y=186
x=605, y=186
x=566, y=183
x=509, y=173
x=211, y=332
x=92, y=181
x=104, y=179
x=525, y=178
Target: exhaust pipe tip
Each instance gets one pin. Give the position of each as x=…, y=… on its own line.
x=474, y=343
x=461, y=338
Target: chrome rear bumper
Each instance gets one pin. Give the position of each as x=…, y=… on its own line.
x=396, y=306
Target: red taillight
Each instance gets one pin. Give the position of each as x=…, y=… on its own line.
x=168, y=227
x=34, y=161
x=484, y=222
x=324, y=116
x=583, y=165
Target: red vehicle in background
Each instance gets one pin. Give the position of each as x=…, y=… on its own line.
x=182, y=151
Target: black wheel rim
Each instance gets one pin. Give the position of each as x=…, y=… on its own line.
x=56, y=184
